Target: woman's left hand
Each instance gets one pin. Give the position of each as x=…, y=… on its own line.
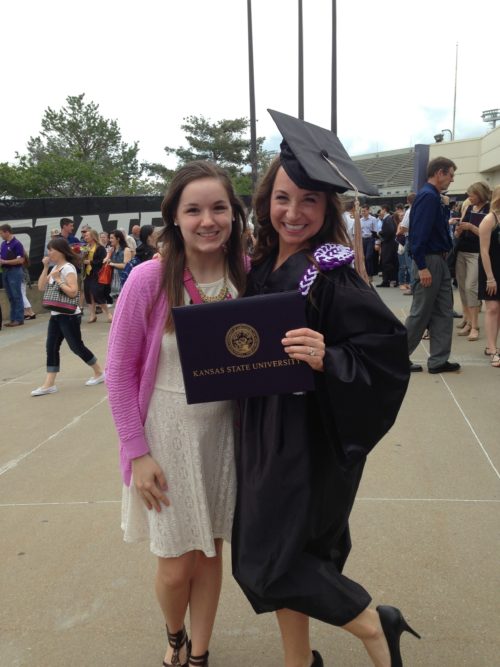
x=306, y=345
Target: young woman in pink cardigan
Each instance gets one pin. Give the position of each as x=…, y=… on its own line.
x=177, y=460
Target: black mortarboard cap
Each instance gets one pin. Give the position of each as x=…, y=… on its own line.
x=315, y=159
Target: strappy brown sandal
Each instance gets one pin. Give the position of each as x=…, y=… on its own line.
x=199, y=660
x=177, y=641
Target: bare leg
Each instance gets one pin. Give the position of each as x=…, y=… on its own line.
x=466, y=312
x=491, y=320
x=474, y=316
x=368, y=628
x=105, y=310
x=173, y=588
x=204, y=598
x=50, y=380
x=92, y=315
x=97, y=369
x=294, y=628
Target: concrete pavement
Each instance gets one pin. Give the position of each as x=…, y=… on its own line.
x=425, y=527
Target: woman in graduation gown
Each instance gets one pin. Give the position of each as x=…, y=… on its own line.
x=301, y=457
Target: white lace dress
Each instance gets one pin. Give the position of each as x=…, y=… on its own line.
x=194, y=445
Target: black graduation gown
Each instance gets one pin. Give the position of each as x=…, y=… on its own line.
x=300, y=458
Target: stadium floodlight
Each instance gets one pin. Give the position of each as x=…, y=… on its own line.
x=491, y=116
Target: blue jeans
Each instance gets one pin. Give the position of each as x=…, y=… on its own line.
x=66, y=327
x=409, y=265
x=403, y=272
x=12, y=280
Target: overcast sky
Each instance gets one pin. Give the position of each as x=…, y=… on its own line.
x=149, y=63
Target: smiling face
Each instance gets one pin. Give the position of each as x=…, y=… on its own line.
x=204, y=217
x=296, y=215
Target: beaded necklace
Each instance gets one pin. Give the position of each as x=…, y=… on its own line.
x=190, y=283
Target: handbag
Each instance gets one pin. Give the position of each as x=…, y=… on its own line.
x=105, y=275
x=55, y=299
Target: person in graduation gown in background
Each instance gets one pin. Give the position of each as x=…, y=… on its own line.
x=301, y=457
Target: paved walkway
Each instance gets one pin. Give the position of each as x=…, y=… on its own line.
x=425, y=527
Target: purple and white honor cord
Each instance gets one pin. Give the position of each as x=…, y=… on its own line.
x=327, y=256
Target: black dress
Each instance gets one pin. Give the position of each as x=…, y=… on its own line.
x=495, y=266
x=91, y=285
x=300, y=459
x=389, y=262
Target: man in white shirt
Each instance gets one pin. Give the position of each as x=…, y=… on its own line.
x=368, y=234
x=348, y=216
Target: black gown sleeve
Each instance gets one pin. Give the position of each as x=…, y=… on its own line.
x=366, y=366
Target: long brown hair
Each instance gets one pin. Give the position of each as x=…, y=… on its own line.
x=61, y=245
x=333, y=229
x=174, y=252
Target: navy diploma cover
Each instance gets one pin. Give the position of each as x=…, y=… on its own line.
x=232, y=348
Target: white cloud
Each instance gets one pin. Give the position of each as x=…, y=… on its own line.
x=150, y=64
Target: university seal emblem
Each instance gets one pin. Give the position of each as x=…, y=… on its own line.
x=242, y=340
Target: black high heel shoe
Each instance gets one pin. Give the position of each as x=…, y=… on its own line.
x=393, y=625
x=177, y=641
x=318, y=660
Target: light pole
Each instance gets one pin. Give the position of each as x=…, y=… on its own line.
x=301, y=65
x=451, y=134
x=253, y=128
x=334, y=67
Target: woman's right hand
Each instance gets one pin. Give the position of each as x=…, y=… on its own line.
x=150, y=482
x=45, y=261
x=491, y=287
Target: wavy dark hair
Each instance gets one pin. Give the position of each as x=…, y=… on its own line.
x=173, y=250
x=333, y=229
x=120, y=237
x=61, y=245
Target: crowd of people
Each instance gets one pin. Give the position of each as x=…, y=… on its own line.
x=186, y=488
x=75, y=265
x=468, y=247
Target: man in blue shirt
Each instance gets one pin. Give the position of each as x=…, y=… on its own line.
x=430, y=243
x=11, y=262
x=67, y=227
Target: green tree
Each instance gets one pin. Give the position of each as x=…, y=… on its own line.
x=78, y=153
x=224, y=142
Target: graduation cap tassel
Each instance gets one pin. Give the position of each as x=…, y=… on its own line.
x=359, y=261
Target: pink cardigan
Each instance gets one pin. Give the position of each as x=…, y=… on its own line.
x=133, y=350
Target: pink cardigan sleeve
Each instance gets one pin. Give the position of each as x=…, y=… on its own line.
x=128, y=345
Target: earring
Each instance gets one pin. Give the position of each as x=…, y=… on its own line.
x=176, y=224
